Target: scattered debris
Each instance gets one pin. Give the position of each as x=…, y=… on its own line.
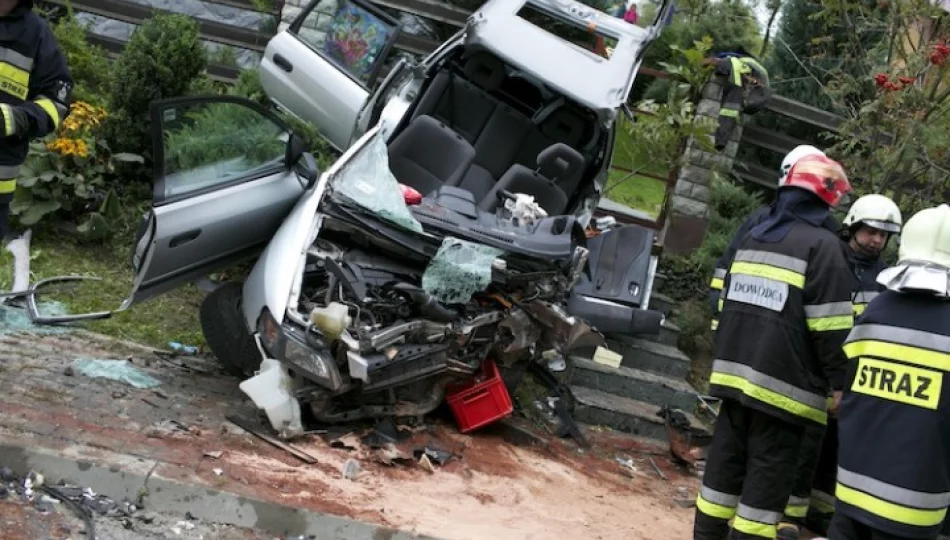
x=347, y=442
x=384, y=433
x=214, y=454
x=217, y=471
x=518, y=435
x=628, y=467
x=436, y=455
x=607, y=357
x=15, y=320
x=426, y=463
x=258, y=432
x=688, y=443
x=351, y=469
x=390, y=455
x=657, y=469
x=184, y=350
x=116, y=370
x=564, y=395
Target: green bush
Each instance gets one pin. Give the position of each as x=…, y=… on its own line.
x=88, y=64
x=162, y=60
x=221, y=133
x=248, y=85
x=688, y=276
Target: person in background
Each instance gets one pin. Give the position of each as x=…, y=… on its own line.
x=35, y=89
x=870, y=223
x=758, y=216
x=893, y=478
x=786, y=312
x=631, y=15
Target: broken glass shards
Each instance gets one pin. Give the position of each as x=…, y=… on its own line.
x=459, y=270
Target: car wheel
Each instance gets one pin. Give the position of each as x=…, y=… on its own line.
x=222, y=322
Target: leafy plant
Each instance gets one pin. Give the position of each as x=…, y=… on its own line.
x=219, y=133
x=656, y=137
x=70, y=176
x=161, y=60
x=895, y=140
x=248, y=85
x=88, y=64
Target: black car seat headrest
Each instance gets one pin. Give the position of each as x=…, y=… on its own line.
x=559, y=162
x=485, y=70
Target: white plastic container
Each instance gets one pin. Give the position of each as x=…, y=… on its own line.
x=331, y=320
x=272, y=391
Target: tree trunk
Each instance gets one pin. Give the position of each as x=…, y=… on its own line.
x=768, y=29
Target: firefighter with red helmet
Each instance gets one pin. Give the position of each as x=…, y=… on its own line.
x=786, y=310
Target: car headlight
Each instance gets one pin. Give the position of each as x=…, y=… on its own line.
x=288, y=345
x=269, y=330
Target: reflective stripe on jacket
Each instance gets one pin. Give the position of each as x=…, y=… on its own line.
x=786, y=311
x=894, y=439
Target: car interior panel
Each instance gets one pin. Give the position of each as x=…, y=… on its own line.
x=470, y=101
x=427, y=155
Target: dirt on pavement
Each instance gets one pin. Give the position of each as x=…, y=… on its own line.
x=494, y=490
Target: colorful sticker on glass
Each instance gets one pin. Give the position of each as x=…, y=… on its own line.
x=355, y=40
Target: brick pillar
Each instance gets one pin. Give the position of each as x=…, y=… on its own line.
x=689, y=210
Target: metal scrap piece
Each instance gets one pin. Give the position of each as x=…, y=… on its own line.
x=34, y=312
x=248, y=426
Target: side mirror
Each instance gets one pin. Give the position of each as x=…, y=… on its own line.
x=295, y=149
x=307, y=170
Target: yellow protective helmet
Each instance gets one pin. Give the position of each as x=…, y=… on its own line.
x=926, y=237
x=875, y=211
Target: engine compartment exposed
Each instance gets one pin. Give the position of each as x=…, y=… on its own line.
x=401, y=346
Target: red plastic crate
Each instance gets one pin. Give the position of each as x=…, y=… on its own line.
x=476, y=404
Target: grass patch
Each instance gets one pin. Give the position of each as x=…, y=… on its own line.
x=640, y=192
x=169, y=317
x=629, y=155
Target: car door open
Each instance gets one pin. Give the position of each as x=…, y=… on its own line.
x=323, y=66
x=223, y=185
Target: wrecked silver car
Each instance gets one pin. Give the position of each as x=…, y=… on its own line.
x=455, y=227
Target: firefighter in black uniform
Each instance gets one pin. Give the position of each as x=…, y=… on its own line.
x=866, y=230
x=35, y=88
x=786, y=311
x=894, y=443
x=715, y=285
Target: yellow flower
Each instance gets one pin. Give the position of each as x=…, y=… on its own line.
x=69, y=147
x=82, y=117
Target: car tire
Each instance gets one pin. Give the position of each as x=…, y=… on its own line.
x=222, y=322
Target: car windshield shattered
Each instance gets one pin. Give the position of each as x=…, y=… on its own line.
x=367, y=182
x=459, y=268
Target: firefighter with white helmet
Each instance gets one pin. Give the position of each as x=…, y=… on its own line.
x=893, y=478
x=715, y=285
x=866, y=229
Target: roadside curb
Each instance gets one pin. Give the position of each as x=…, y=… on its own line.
x=126, y=477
